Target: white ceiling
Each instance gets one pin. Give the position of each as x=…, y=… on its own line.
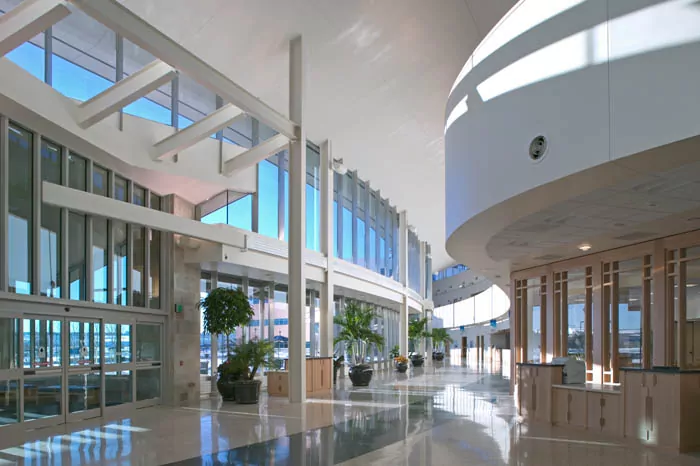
x=378, y=77
x=643, y=208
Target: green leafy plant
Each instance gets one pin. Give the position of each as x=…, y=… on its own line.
x=441, y=338
x=394, y=353
x=417, y=329
x=247, y=358
x=356, y=330
x=224, y=310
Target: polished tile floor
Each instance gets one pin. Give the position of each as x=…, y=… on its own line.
x=446, y=415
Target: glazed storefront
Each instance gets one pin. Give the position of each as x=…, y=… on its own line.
x=632, y=315
x=81, y=308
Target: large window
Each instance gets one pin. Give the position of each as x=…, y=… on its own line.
x=530, y=300
x=313, y=200
x=268, y=197
x=51, y=168
x=237, y=210
x=20, y=209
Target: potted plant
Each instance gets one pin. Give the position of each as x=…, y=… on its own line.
x=224, y=310
x=245, y=361
x=441, y=341
x=395, y=352
x=401, y=364
x=416, y=331
x=356, y=332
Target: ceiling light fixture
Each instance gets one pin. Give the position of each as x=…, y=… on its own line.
x=585, y=247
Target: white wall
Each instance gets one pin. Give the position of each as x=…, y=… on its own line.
x=601, y=79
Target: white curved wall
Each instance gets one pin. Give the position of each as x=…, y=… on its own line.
x=492, y=303
x=601, y=79
x=458, y=287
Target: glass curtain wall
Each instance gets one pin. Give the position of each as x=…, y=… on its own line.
x=86, y=58
x=62, y=249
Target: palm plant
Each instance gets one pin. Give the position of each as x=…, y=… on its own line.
x=441, y=337
x=356, y=330
x=262, y=294
x=417, y=329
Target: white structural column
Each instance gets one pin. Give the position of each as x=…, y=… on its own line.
x=403, y=278
x=427, y=344
x=327, y=288
x=297, y=228
x=126, y=91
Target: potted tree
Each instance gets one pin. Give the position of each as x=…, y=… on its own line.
x=417, y=331
x=245, y=361
x=356, y=332
x=441, y=341
x=224, y=310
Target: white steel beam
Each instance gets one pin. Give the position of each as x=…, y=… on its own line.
x=128, y=90
x=28, y=19
x=129, y=25
x=297, y=229
x=258, y=153
x=198, y=131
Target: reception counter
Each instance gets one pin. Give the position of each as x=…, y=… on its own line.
x=319, y=378
x=658, y=406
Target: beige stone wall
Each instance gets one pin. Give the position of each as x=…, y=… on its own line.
x=183, y=328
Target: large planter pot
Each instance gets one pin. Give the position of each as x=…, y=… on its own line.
x=247, y=392
x=401, y=367
x=439, y=356
x=226, y=389
x=417, y=360
x=361, y=375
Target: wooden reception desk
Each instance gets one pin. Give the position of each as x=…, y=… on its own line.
x=319, y=378
x=658, y=406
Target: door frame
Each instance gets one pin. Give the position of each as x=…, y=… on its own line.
x=22, y=307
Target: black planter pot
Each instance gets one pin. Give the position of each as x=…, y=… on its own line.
x=439, y=356
x=226, y=389
x=361, y=375
x=417, y=360
x=401, y=367
x=247, y=391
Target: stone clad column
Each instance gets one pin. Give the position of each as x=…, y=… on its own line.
x=181, y=378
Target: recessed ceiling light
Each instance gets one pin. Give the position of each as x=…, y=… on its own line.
x=585, y=247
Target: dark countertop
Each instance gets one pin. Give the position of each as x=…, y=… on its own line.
x=662, y=370
x=537, y=364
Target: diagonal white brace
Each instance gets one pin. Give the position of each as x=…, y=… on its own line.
x=128, y=90
x=28, y=19
x=123, y=21
x=258, y=153
x=198, y=131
